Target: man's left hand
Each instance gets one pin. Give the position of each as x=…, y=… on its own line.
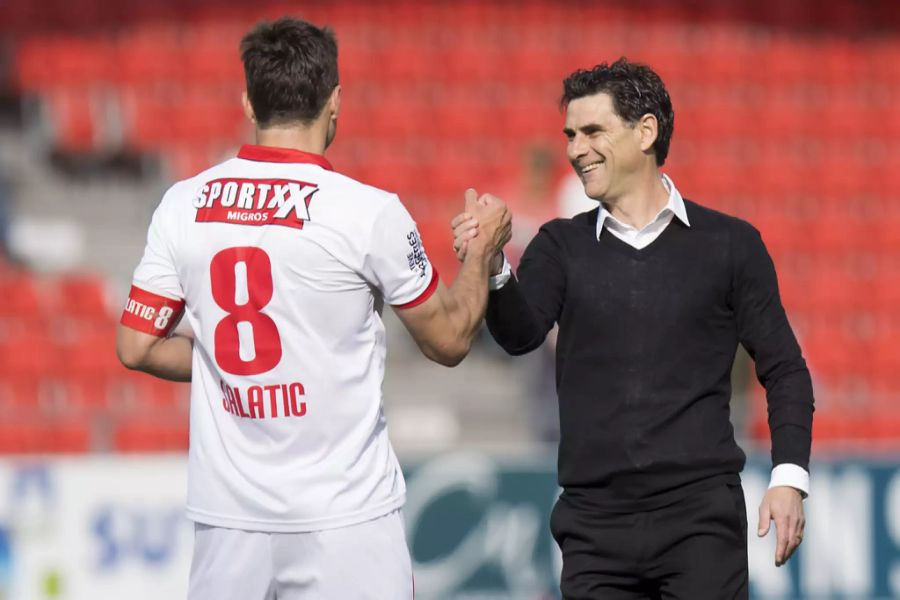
x=784, y=505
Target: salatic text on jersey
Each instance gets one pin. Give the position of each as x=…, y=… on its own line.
x=264, y=401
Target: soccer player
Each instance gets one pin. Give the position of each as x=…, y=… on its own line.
x=282, y=267
x=652, y=294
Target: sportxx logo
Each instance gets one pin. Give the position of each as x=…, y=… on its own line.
x=255, y=202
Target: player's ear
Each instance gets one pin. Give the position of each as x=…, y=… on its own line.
x=334, y=103
x=248, y=108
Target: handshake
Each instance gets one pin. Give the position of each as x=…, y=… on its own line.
x=482, y=230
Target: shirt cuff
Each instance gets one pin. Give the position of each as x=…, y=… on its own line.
x=495, y=282
x=790, y=475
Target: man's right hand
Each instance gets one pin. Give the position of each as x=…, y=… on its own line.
x=485, y=227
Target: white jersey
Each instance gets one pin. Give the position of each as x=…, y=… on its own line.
x=283, y=266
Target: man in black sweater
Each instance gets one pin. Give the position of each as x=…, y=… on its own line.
x=652, y=294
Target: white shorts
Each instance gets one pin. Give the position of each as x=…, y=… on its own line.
x=360, y=562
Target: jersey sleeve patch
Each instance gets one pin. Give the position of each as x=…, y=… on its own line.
x=151, y=313
x=426, y=293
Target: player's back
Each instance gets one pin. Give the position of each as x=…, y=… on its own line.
x=283, y=265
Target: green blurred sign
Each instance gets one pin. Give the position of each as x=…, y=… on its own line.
x=478, y=527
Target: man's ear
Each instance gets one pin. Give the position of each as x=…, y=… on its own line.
x=334, y=103
x=648, y=128
x=248, y=108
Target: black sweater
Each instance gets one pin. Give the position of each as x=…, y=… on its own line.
x=647, y=339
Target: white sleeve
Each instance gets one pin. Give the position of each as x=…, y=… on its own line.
x=395, y=260
x=156, y=272
x=496, y=282
x=791, y=475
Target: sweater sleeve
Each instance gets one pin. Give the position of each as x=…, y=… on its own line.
x=520, y=314
x=763, y=329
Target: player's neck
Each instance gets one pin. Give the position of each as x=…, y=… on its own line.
x=307, y=139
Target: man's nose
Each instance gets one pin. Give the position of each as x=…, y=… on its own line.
x=578, y=147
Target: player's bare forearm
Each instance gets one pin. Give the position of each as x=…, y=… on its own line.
x=446, y=324
x=466, y=298
x=164, y=357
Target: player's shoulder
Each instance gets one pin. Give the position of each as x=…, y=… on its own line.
x=184, y=191
x=355, y=191
x=706, y=218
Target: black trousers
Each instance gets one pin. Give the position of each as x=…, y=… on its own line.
x=693, y=549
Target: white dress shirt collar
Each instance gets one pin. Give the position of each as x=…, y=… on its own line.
x=674, y=207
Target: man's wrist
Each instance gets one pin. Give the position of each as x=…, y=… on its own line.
x=495, y=282
x=790, y=475
x=496, y=265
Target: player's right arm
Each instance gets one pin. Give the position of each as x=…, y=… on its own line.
x=144, y=338
x=445, y=325
x=165, y=357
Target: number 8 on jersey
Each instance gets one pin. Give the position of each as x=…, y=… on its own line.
x=246, y=339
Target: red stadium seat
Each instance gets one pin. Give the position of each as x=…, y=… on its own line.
x=779, y=232
x=437, y=239
x=401, y=62
x=147, y=436
x=46, y=63
x=45, y=437
x=22, y=295
x=393, y=120
x=30, y=355
x=886, y=292
x=89, y=394
x=69, y=437
x=206, y=118
x=80, y=295
x=212, y=59
x=884, y=356
x=21, y=396
x=154, y=396
x=145, y=120
x=187, y=159
x=781, y=61
x=887, y=232
x=839, y=234
x=536, y=63
x=831, y=354
x=74, y=120
x=93, y=354
x=148, y=57
x=468, y=63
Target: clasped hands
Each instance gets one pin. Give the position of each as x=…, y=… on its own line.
x=484, y=227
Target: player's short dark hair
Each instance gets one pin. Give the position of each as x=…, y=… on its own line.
x=635, y=89
x=291, y=70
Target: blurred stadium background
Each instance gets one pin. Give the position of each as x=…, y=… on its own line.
x=786, y=115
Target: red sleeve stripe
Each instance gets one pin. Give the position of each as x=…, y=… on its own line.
x=426, y=293
x=151, y=313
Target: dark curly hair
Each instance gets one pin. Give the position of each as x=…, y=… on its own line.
x=291, y=69
x=635, y=89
